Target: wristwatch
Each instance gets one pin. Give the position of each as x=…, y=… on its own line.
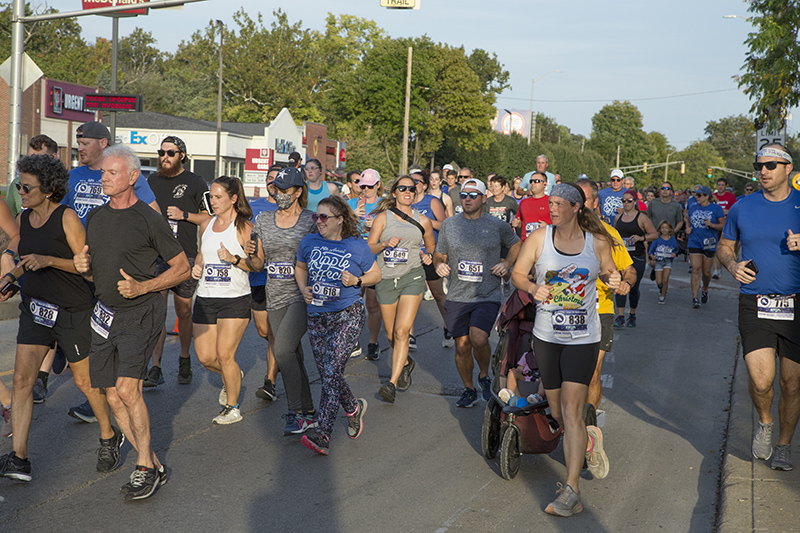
x=185, y=215
x=358, y=283
x=237, y=260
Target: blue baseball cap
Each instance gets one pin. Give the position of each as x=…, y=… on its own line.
x=289, y=177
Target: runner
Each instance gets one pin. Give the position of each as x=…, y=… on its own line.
x=470, y=246
x=636, y=231
x=703, y=222
x=351, y=190
x=280, y=234
x=611, y=197
x=435, y=190
x=769, y=273
x=396, y=234
x=534, y=211
x=499, y=205
x=662, y=251
x=318, y=188
x=222, y=307
x=569, y=257
x=331, y=268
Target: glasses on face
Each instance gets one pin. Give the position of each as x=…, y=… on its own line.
x=771, y=165
x=666, y=188
x=461, y=176
x=369, y=186
x=404, y=188
x=615, y=179
x=471, y=195
x=171, y=153
x=699, y=194
x=322, y=217
x=312, y=168
x=627, y=200
x=417, y=182
x=537, y=181
x=748, y=189
x=25, y=188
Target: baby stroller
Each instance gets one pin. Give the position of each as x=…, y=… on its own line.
x=509, y=429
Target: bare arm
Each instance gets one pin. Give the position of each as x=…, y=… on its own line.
x=726, y=253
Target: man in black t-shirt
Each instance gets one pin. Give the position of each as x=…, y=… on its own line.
x=179, y=192
x=124, y=238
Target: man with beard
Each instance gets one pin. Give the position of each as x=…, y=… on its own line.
x=611, y=197
x=179, y=192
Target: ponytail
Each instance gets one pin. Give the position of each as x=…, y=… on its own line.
x=244, y=212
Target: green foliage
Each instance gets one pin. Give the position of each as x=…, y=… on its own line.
x=772, y=64
x=698, y=156
x=734, y=138
x=620, y=124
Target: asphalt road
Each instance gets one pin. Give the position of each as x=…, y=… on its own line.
x=418, y=465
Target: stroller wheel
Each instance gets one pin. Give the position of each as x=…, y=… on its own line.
x=500, y=351
x=510, y=456
x=589, y=415
x=490, y=432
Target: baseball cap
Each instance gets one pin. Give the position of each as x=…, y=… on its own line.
x=294, y=157
x=703, y=190
x=289, y=177
x=93, y=130
x=617, y=173
x=369, y=177
x=475, y=184
x=447, y=167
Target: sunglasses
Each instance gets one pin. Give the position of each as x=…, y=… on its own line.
x=748, y=189
x=771, y=165
x=471, y=195
x=627, y=200
x=460, y=176
x=666, y=188
x=25, y=188
x=616, y=179
x=368, y=186
x=537, y=181
x=404, y=188
x=699, y=194
x=170, y=153
x=322, y=217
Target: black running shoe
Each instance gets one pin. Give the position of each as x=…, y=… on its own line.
x=13, y=467
x=108, y=454
x=373, y=351
x=154, y=377
x=388, y=392
x=162, y=479
x=184, y=370
x=704, y=297
x=404, y=381
x=144, y=482
x=316, y=441
x=267, y=392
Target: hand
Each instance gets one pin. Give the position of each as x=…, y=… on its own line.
x=500, y=269
x=426, y=258
x=348, y=279
x=515, y=223
x=707, y=222
x=83, y=261
x=361, y=209
x=623, y=289
x=793, y=241
x=689, y=230
x=540, y=292
x=174, y=213
x=614, y=279
x=308, y=296
x=250, y=247
x=129, y=287
x=34, y=262
x=443, y=269
x=225, y=255
x=674, y=255
x=391, y=243
x=197, y=270
x=742, y=274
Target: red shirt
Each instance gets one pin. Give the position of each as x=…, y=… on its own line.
x=725, y=200
x=533, y=212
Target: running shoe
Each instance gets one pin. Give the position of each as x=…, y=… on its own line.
x=619, y=322
x=468, y=398
x=695, y=303
x=267, y=392
x=143, y=484
x=13, y=467
x=355, y=420
x=781, y=458
x=373, y=351
x=230, y=414
x=108, y=453
x=690, y=269
x=292, y=425
x=652, y=274
x=762, y=442
x=412, y=342
x=596, y=458
x=404, y=381
x=567, y=503
x=39, y=391
x=704, y=297
x=310, y=420
x=223, y=394
x=6, y=431
x=486, y=387
x=662, y=299
x=388, y=392
x=428, y=296
x=184, y=370
x=631, y=323
x=154, y=377
x=448, y=341
x=317, y=442
x=162, y=479
x=83, y=412
x=715, y=274
x=356, y=351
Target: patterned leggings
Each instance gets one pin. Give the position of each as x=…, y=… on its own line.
x=332, y=337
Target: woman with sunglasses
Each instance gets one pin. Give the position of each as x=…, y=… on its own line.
x=704, y=220
x=397, y=231
x=636, y=231
x=351, y=190
x=569, y=256
x=222, y=306
x=280, y=233
x=331, y=268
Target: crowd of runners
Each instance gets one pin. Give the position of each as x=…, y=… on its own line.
x=312, y=259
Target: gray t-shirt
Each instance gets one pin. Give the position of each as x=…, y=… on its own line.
x=472, y=248
x=658, y=211
x=280, y=254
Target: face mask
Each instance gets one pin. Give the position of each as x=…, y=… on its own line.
x=283, y=200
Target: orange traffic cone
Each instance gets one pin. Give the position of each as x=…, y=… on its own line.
x=175, y=329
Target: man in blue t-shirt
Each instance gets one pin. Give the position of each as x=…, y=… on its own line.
x=611, y=197
x=767, y=226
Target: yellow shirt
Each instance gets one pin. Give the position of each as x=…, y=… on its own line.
x=622, y=259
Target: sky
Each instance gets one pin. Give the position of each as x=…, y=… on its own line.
x=673, y=60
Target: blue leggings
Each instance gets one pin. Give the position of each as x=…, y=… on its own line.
x=332, y=337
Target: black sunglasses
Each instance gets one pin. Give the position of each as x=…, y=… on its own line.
x=616, y=179
x=749, y=189
x=471, y=195
x=170, y=153
x=771, y=165
x=627, y=201
x=25, y=188
x=369, y=186
x=666, y=188
x=404, y=188
x=322, y=217
x=537, y=181
x=699, y=194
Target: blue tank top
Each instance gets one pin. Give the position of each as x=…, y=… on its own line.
x=314, y=196
x=424, y=208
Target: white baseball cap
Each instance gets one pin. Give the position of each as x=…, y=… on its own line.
x=617, y=173
x=474, y=184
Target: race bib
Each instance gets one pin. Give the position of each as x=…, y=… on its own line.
x=710, y=243
x=775, y=307
x=102, y=317
x=44, y=313
x=498, y=212
x=174, y=225
x=660, y=256
x=570, y=323
x=530, y=227
x=471, y=271
x=281, y=271
x=323, y=292
x=629, y=244
x=218, y=275
x=395, y=256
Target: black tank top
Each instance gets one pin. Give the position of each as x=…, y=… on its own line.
x=626, y=229
x=68, y=291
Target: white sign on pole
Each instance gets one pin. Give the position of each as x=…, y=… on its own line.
x=764, y=137
x=30, y=71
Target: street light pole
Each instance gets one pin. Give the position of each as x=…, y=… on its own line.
x=666, y=168
x=217, y=167
x=531, y=120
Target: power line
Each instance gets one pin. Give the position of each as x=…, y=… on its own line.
x=627, y=99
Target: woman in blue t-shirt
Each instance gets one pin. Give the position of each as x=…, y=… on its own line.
x=704, y=221
x=331, y=268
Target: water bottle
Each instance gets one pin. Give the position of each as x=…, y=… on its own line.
x=535, y=398
x=518, y=401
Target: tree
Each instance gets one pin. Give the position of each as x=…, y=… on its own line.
x=734, y=138
x=772, y=64
x=698, y=157
x=620, y=124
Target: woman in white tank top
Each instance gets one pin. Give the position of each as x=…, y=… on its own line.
x=222, y=307
x=568, y=257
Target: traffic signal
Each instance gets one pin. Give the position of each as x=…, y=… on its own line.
x=710, y=174
x=644, y=169
x=683, y=168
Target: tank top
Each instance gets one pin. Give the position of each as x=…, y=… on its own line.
x=569, y=315
x=626, y=229
x=220, y=279
x=400, y=260
x=314, y=196
x=66, y=290
x=424, y=208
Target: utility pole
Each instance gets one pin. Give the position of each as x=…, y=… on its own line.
x=404, y=162
x=617, y=156
x=112, y=119
x=217, y=166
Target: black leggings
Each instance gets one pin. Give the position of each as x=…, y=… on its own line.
x=638, y=264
